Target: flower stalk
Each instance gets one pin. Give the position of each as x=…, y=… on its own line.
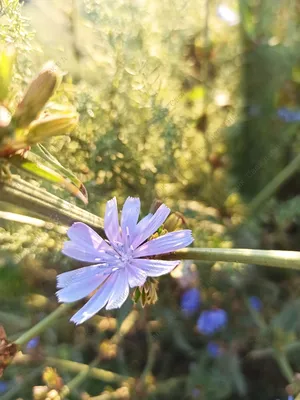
x=269, y=258
x=43, y=324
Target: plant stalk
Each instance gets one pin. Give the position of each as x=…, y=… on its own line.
x=43, y=324
x=269, y=258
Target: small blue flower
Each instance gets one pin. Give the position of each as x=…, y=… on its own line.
x=256, y=303
x=196, y=393
x=213, y=349
x=3, y=387
x=33, y=343
x=288, y=115
x=190, y=301
x=211, y=321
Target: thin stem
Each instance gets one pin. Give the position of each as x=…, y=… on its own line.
x=24, y=219
x=18, y=192
x=12, y=393
x=270, y=351
x=75, y=382
x=97, y=373
x=73, y=366
x=271, y=188
x=270, y=258
x=258, y=319
x=125, y=327
x=42, y=325
x=284, y=365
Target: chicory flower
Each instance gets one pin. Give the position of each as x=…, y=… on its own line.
x=123, y=261
x=190, y=301
x=211, y=321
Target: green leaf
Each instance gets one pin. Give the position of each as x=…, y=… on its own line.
x=51, y=171
x=7, y=58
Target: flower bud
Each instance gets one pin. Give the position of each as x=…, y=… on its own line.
x=44, y=128
x=52, y=379
x=7, y=58
x=40, y=392
x=146, y=294
x=38, y=93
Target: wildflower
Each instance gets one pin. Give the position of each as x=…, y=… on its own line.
x=190, y=301
x=211, y=321
x=228, y=15
x=288, y=115
x=33, y=343
x=3, y=387
x=119, y=263
x=255, y=303
x=213, y=349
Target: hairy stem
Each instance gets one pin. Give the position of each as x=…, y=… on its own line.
x=270, y=258
x=20, y=193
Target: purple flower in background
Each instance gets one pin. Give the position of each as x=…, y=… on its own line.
x=213, y=349
x=190, y=301
x=256, y=303
x=288, y=115
x=3, y=387
x=33, y=343
x=119, y=263
x=227, y=15
x=211, y=321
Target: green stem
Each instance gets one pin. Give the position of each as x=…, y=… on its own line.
x=258, y=319
x=39, y=223
x=97, y=373
x=284, y=365
x=272, y=187
x=270, y=258
x=12, y=393
x=20, y=193
x=75, y=382
x=292, y=347
x=42, y=325
x=125, y=327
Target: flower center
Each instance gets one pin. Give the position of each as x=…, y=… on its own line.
x=126, y=258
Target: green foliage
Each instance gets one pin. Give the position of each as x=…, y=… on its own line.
x=170, y=110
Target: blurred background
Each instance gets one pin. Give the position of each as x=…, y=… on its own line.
x=195, y=103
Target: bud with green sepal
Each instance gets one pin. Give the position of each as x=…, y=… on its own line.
x=38, y=93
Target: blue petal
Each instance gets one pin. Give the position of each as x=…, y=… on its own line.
x=165, y=244
x=80, y=274
x=85, y=236
x=87, y=254
x=190, y=301
x=120, y=290
x=142, y=225
x=111, y=221
x=79, y=290
x=154, y=267
x=152, y=225
x=136, y=276
x=96, y=303
x=130, y=215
